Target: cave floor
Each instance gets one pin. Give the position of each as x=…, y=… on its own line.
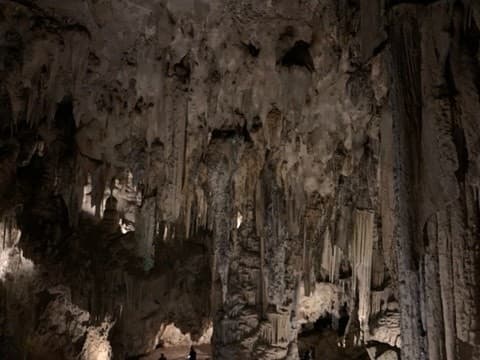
x=180, y=353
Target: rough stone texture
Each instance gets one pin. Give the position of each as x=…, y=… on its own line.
x=280, y=170
x=434, y=64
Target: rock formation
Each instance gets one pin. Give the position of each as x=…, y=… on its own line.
x=268, y=176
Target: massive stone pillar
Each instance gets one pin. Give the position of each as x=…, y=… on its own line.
x=406, y=100
x=434, y=64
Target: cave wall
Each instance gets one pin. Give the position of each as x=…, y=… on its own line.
x=255, y=165
x=434, y=68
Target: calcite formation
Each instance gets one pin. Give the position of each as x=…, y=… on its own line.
x=269, y=176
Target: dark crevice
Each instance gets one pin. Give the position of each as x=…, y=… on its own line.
x=345, y=271
x=224, y=133
x=425, y=236
x=451, y=89
x=256, y=124
x=64, y=120
x=458, y=136
x=240, y=132
x=252, y=49
x=471, y=44
x=299, y=55
x=44, y=20
x=182, y=70
x=380, y=47
x=393, y=3
x=323, y=322
x=343, y=320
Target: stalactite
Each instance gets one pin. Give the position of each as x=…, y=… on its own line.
x=362, y=263
x=379, y=301
x=202, y=215
x=9, y=231
x=259, y=211
x=145, y=234
x=331, y=257
x=343, y=228
x=306, y=265
x=229, y=331
x=276, y=331
x=128, y=291
x=4, y=239
x=434, y=324
x=281, y=324
x=378, y=268
x=333, y=267
x=221, y=215
x=98, y=187
x=406, y=94
x=444, y=249
x=371, y=35
x=327, y=255
x=263, y=278
x=189, y=208
x=338, y=256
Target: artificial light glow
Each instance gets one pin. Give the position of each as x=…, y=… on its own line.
x=239, y=219
x=13, y=262
x=87, y=197
x=97, y=346
x=123, y=227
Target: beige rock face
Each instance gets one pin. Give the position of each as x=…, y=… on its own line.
x=292, y=173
